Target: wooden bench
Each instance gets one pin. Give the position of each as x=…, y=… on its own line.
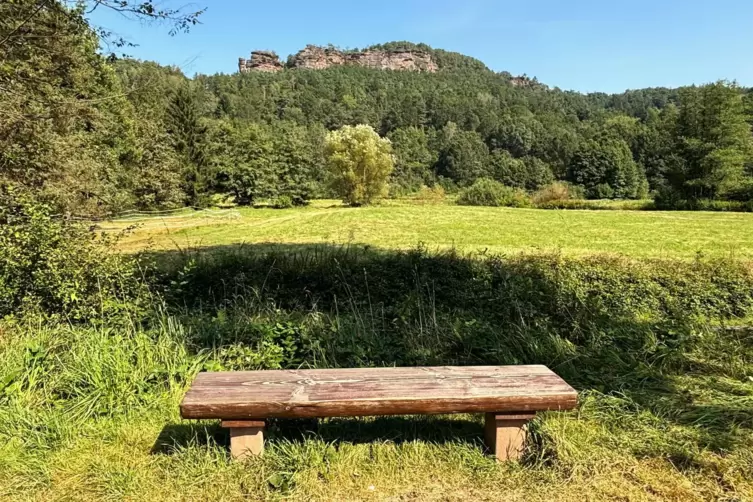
x=509, y=396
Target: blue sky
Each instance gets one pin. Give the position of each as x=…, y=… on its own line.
x=585, y=45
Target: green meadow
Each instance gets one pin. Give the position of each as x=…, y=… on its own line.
x=655, y=234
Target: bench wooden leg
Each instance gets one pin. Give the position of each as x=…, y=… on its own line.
x=505, y=434
x=246, y=437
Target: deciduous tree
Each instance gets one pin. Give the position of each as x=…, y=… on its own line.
x=360, y=163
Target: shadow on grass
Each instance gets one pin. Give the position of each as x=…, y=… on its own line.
x=174, y=437
x=602, y=323
x=394, y=429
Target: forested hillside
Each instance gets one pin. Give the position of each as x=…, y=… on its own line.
x=97, y=135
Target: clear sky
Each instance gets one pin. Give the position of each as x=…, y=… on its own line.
x=586, y=45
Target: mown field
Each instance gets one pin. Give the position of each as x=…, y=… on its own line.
x=658, y=344
x=404, y=225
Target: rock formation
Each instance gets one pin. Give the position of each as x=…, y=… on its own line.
x=525, y=81
x=260, y=61
x=318, y=58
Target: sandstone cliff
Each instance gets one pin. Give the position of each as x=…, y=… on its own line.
x=318, y=58
x=260, y=61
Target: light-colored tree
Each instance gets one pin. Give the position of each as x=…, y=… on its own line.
x=360, y=163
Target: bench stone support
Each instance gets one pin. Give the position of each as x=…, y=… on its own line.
x=505, y=434
x=246, y=437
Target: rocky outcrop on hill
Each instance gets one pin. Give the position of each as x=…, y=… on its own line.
x=260, y=61
x=319, y=58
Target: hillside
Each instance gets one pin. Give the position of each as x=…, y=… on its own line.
x=162, y=140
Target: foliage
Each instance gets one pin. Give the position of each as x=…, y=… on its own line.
x=282, y=202
x=606, y=169
x=553, y=192
x=714, y=142
x=434, y=194
x=57, y=267
x=517, y=136
x=600, y=204
x=188, y=133
x=65, y=122
x=528, y=173
x=253, y=162
x=463, y=156
x=669, y=199
x=68, y=128
x=487, y=192
x=414, y=158
x=360, y=163
x=154, y=172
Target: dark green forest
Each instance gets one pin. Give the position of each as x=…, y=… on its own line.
x=95, y=134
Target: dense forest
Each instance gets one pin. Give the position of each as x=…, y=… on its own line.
x=97, y=134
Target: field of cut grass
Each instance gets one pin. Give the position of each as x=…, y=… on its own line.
x=673, y=234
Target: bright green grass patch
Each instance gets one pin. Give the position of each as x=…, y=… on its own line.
x=404, y=225
x=614, y=447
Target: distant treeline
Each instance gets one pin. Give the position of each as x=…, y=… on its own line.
x=93, y=134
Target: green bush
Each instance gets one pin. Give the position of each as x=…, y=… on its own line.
x=430, y=195
x=622, y=205
x=558, y=191
x=603, y=191
x=742, y=193
x=487, y=192
x=282, y=202
x=54, y=266
x=669, y=199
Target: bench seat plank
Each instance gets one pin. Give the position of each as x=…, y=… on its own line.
x=375, y=391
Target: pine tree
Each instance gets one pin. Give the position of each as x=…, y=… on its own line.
x=188, y=135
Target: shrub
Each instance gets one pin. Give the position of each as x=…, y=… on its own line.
x=602, y=191
x=742, y=193
x=432, y=194
x=487, y=192
x=553, y=192
x=622, y=205
x=282, y=202
x=57, y=267
x=670, y=199
x=447, y=184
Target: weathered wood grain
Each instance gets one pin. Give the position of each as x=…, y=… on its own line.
x=241, y=424
x=375, y=391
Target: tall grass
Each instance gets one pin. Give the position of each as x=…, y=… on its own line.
x=89, y=411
